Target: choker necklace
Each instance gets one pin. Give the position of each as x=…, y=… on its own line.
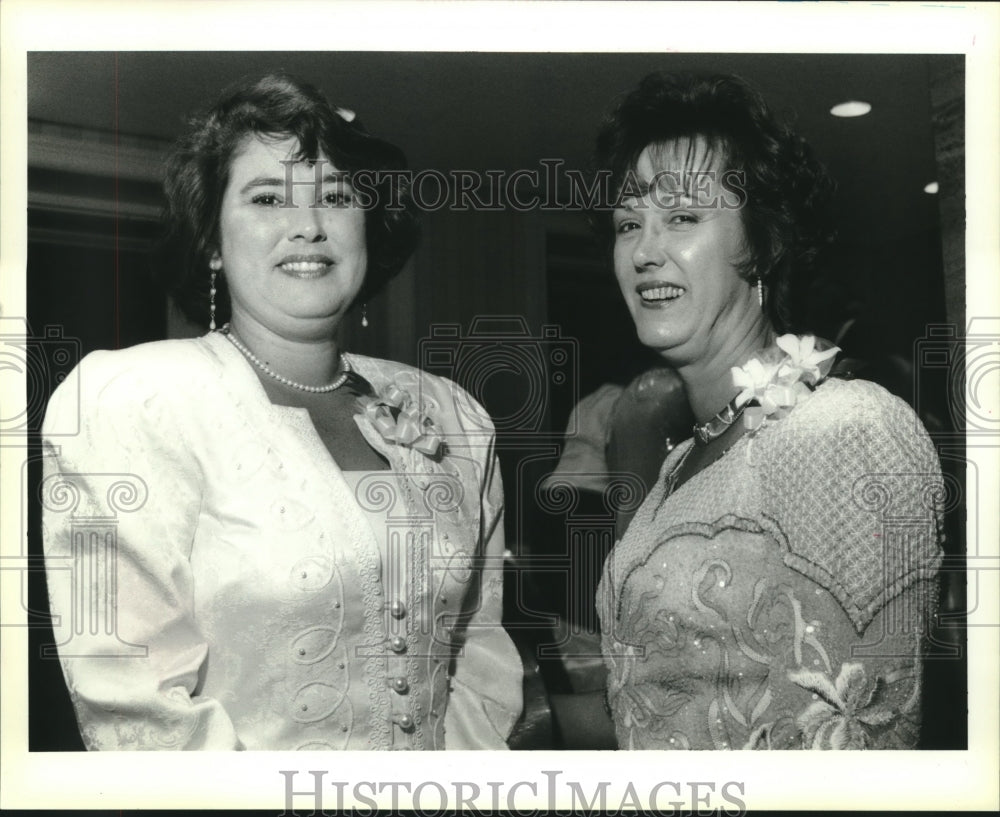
x=706, y=432
x=333, y=386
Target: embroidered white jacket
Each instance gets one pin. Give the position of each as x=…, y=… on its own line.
x=218, y=586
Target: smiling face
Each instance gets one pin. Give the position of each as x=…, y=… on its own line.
x=292, y=267
x=678, y=239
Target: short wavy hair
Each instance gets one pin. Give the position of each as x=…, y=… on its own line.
x=788, y=194
x=275, y=105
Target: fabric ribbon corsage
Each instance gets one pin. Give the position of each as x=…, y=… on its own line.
x=780, y=377
x=397, y=417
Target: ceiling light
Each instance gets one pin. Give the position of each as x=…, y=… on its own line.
x=851, y=108
x=931, y=188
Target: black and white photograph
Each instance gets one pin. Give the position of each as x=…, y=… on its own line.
x=568, y=401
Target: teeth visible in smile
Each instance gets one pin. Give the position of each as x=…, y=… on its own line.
x=661, y=293
x=304, y=266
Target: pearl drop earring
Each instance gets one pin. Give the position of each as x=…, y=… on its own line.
x=211, y=305
x=215, y=265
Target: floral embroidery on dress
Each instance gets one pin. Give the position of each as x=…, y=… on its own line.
x=848, y=710
x=746, y=707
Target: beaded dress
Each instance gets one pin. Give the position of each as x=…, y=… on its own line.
x=778, y=598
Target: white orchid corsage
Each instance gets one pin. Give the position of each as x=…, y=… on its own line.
x=398, y=418
x=781, y=377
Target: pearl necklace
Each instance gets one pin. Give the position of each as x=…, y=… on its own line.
x=333, y=386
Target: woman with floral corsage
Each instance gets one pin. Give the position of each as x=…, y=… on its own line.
x=300, y=548
x=773, y=590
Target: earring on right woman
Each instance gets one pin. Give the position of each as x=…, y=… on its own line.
x=760, y=293
x=364, y=315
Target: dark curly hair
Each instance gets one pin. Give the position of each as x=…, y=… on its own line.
x=788, y=194
x=276, y=105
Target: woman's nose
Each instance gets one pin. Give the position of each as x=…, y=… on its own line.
x=648, y=252
x=305, y=220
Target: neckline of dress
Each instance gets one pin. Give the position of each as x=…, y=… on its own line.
x=670, y=490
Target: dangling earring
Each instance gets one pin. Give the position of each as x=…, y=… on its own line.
x=364, y=315
x=760, y=292
x=215, y=264
x=211, y=305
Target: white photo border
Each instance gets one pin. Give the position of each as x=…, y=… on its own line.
x=888, y=780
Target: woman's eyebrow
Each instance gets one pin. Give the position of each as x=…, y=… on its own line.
x=262, y=181
x=337, y=176
x=635, y=188
x=333, y=177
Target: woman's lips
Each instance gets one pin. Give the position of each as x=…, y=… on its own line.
x=312, y=266
x=658, y=294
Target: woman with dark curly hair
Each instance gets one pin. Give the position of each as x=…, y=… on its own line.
x=774, y=588
x=309, y=552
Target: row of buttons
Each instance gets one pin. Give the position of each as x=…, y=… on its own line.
x=399, y=684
